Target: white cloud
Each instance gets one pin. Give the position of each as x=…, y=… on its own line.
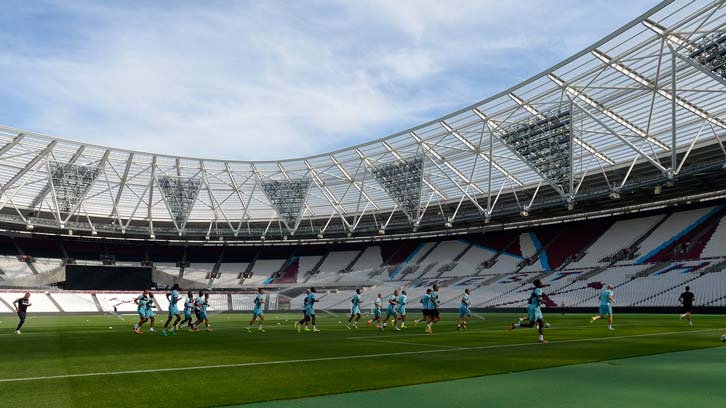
x=271, y=80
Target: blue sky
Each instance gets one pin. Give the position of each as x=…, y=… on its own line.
x=272, y=80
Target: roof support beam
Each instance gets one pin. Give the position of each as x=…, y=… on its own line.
x=581, y=96
x=11, y=144
x=531, y=109
x=152, y=179
x=623, y=139
x=101, y=166
x=477, y=151
x=28, y=167
x=44, y=192
x=355, y=183
x=637, y=77
x=679, y=42
x=124, y=178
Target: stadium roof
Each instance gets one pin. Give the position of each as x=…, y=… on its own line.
x=644, y=97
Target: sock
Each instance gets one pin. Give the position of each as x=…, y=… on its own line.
x=541, y=337
x=517, y=325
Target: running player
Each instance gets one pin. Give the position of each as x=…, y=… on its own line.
x=425, y=299
x=188, y=307
x=355, y=310
x=140, y=302
x=402, y=300
x=686, y=300
x=391, y=312
x=434, y=304
x=464, y=312
x=311, y=308
x=534, y=311
x=21, y=308
x=202, y=303
x=258, y=311
x=150, y=305
x=173, y=298
x=306, y=317
x=606, y=306
x=376, y=312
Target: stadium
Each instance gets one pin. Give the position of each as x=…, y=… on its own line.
x=604, y=175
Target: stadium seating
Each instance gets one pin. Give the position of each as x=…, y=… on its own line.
x=622, y=234
x=637, y=255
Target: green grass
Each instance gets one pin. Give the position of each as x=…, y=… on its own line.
x=282, y=364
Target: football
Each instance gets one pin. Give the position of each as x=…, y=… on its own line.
x=723, y=338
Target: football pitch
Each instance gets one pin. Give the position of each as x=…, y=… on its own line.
x=97, y=361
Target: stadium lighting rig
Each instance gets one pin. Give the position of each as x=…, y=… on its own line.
x=403, y=181
x=545, y=143
x=288, y=197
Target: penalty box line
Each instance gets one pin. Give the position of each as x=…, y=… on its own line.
x=338, y=358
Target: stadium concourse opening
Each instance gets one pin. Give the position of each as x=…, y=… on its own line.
x=561, y=243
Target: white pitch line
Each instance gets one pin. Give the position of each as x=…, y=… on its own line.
x=338, y=358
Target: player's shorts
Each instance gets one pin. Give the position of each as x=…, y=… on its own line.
x=187, y=314
x=173, y=310
x=142, y=313
x=535, y=313
x=402, y=311
x=391, y=311
x=149, y=313
x=464, y=312
x=202, y=315
x=606, y=310
x=377, y=313
x=257, y=313
x=435, y=312
x=355, y=310
x=426, y=312
x=687, y=309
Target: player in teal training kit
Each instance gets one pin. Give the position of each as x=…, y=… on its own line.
x=534, y=311
x=201, y=304
x=425, y=299
x=309, y=310
x=376, y=312
x=150, y=305
x=434, y=304
x=402, y=300
x=464, y=312
x=606, y=306
x=140, y=302
x=258, y=312
x=312, y=298
x=173, y=298
x=391, y=311
x=306, y=317
x=355, y=310
x=188, y=308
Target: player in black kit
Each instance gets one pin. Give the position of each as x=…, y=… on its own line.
x=21, y=308
x=686, y=300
